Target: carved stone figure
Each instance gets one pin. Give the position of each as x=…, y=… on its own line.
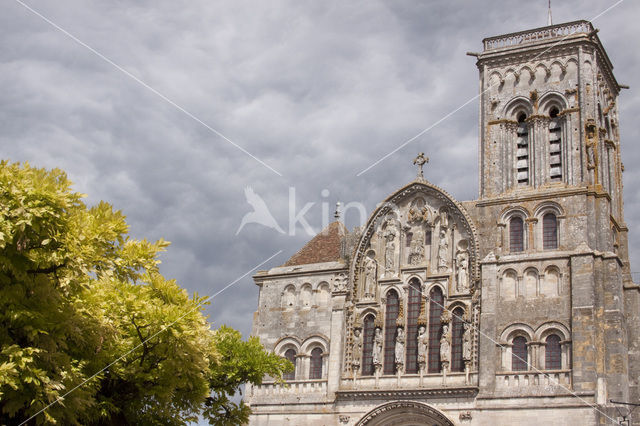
x=422, y=345
x=444, y=219
x=416, y=248
x=357, y=348
x=445, y=346
x=390, y=234
x=443, y=252
x=370, y=277
x=466, y=342
x=377, y=347
x=399, y=350
x=462, y=263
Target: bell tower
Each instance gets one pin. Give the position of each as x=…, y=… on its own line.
x=549, y=119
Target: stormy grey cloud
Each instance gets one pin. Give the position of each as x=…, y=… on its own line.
x=317, y=90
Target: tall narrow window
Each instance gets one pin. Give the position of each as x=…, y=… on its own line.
x=457, y=363
x=393, y=306
x=555, y=145
x=290, y=355
x=519, y=354
x=408, y=239
x=413, y=311
x=549, y=231
x=516, y=234
x=522, y=152
x=552, y=353
x=367, y=346
x=315, y=371
x=436, y=301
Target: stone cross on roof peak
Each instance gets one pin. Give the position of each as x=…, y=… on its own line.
x=420, y=161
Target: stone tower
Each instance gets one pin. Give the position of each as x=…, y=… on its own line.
x=515, y=308
x=551, y=174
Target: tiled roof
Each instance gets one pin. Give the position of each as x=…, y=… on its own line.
x=324, y=247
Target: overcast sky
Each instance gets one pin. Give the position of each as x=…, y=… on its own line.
x=316, y=90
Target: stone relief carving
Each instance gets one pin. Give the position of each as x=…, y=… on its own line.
x=443, y=252
x=390, y=233
x=357, y=350
x=399, y=349
x=466, y=343
x=377, y=348
x=370, y=276
x=422, y=346
x=340, y=282
x=445, y=348
x=462, y=265
x=416, y=248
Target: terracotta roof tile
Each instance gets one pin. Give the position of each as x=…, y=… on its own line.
x=324, y=247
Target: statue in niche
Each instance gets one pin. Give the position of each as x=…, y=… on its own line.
x=389, y=235
x=370, y=276
x=462, y=263
x=443, y=252
x=416, y=247
x=445, y=346
x=444, y=219
x=422, y=345
x=466, y=342
x=357, y=349
x=399, y=349
x=590, y=142
x=377, y=347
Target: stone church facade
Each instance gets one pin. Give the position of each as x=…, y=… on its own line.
x=515, y=308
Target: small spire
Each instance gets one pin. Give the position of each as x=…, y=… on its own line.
x=336, y=214
x=549, y=19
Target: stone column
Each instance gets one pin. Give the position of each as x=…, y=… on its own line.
x=334, y=367
x=489, y=356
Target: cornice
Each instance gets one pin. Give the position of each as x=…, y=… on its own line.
x=403, y=394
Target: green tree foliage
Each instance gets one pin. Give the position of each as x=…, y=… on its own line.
x=77, y=295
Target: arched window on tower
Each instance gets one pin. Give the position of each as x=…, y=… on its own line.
x=367, y=346
x=516, y=234
x=393, y=305
x=522, y=153
x=555, y=145
x=413, y=311
x=290, y=355
x=457, y=329
x=553, y=353
x=519, y=354
x=436, y=301
x=549, y=231
x=315, y=370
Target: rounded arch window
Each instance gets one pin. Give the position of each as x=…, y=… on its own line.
x=315, y=371
x=519, y=354
x=392, y=309
x=436, y=301
x=367, y=346
x=413, y=311
x=553, y=353
x=290, y=355
x=516, y=234
x=549, y=231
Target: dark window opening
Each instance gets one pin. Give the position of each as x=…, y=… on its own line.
x=393, y=306
x=290, y=355
x=516, y=234
x=552, y=353
x=436, y=301
x=519, y=354
x=457, y=329
x=367, y=346
x=549, y=231
x=316, y=364
x=413, y=311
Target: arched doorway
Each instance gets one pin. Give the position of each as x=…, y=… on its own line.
x=404, y=413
